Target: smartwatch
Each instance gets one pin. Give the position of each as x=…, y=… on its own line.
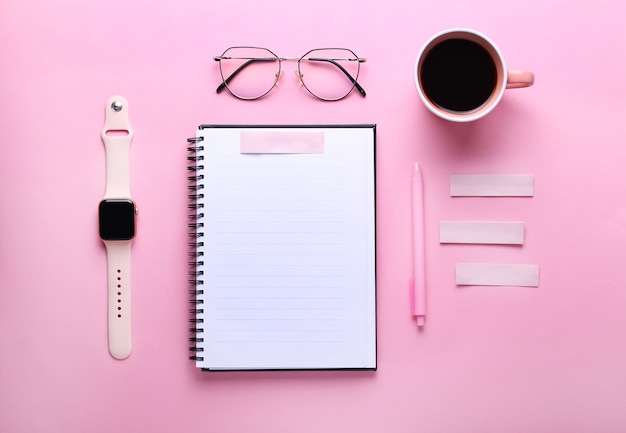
x=117, y=215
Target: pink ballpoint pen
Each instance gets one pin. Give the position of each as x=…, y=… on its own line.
x=418, y=307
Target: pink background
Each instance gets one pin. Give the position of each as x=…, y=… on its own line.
x=547, y=359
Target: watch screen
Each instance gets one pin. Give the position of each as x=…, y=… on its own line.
x=117, y=220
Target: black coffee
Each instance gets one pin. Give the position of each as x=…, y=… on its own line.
x=458, y=75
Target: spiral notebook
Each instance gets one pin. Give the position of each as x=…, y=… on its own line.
x=282, y=223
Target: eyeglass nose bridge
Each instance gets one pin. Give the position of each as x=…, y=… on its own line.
x=297, y=73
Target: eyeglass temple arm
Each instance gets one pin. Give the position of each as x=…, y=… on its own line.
x=350, y=77
x=228, y=79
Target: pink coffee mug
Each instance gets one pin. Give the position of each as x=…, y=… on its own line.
x=461, y=76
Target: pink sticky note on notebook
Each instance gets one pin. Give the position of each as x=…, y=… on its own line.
x=282, y=142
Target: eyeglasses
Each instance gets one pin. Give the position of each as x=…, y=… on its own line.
x=329, y=74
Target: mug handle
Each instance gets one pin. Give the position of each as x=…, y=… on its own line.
x=519, y=79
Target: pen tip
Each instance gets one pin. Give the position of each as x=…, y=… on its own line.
x=420, y=321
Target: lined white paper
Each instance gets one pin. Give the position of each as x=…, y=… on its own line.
x=289, y=254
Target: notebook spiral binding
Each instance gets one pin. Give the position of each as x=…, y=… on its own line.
x=196, y=234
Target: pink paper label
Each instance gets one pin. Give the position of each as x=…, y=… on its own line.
x=492, y=185
x=481, y=232
x=282, y=142
x=491, y=274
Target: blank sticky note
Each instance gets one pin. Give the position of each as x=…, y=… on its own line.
x=490, y=274
x=481, y=232
x=279, y=141
x=492, y=185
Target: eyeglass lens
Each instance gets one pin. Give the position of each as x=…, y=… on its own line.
x=329, y=73
x=251, y=72
x=248, y=72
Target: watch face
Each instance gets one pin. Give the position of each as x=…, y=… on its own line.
x=117, y=220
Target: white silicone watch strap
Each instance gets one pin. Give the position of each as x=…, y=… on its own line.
x=118, y=282
x=117, y=135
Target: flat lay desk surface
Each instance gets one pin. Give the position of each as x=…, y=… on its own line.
x=490, y=359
